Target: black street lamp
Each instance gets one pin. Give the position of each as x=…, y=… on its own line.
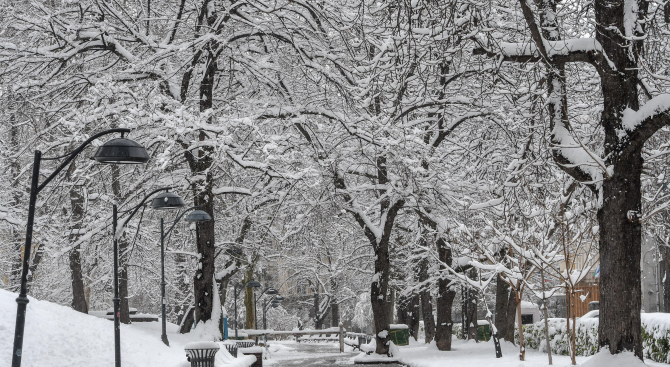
x=171, y=201
x=271, y=302
x=116, y=151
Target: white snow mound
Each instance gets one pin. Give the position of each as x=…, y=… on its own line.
x=606, y=359
x=57, y=336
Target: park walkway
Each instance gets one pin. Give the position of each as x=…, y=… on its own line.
x=290, y=353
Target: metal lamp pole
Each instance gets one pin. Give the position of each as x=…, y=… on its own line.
x=118, y=231
x=197, y=215
x=133, y=152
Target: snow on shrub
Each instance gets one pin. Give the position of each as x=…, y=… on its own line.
x=655, y=336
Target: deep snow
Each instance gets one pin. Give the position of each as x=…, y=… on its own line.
x=57, y=336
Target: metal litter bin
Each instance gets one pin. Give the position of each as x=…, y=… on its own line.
x=201, y=354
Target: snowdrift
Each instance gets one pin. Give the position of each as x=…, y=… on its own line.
x=57, y=336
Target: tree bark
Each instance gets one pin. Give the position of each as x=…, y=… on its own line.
x=334, y=306
x=250, y=311
x=76, y=274
x=426, y=302
x=445, y=299
x=618, y=216
x=502, y=298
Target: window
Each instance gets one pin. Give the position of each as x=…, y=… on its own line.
x=527, y=319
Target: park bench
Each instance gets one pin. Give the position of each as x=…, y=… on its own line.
x=325, y=337
x=355, y=340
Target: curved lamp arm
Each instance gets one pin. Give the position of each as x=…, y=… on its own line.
x=119, y=230
x=179, y=218
x=72, y=155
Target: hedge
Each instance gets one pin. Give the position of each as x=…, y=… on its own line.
x=655, y=336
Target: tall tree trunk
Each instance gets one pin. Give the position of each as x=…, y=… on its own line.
x=200, y=163
x=502, y=297
x=426, y=301
x=379, y=296
x=76, y=275
x=250, y=311
x=334, y=306
x=618, y=216
x=445, y=299
x=414, y=308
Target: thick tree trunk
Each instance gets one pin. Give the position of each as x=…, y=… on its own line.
x=380, y=297
x=618, y=217
x=76, y=274
x=334, y=306
x=78, y=289
x=445, y=300
x=502, y=297
x=250, y=311
x=426, y=302
x=620, y=251
x=408, y=313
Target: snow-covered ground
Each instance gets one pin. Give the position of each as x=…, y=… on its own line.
x=464, y=354
x=57, y=336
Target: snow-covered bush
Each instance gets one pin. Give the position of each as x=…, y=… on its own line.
x=655, y=336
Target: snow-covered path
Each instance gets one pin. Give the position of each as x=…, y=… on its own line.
x=464, y=354
x=290, y=353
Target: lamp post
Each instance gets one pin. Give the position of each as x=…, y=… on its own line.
x=195, y=215
x=274, y=303
x=116, y=151
x=169, y=201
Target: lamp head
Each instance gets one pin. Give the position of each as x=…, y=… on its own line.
x=167, y=200
x=198, y=216
x=253, y=284
x=121, y=151
x=279, y=298
x=271, y=291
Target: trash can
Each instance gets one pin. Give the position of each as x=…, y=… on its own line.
x=399, y=334
x=201, y=354
x=483, y=330
x=254, y=351
x=231, y=347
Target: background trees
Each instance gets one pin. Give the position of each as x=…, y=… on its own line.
x=339, y=143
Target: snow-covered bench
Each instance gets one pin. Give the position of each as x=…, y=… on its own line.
x=355, y=340
x=325, y=337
